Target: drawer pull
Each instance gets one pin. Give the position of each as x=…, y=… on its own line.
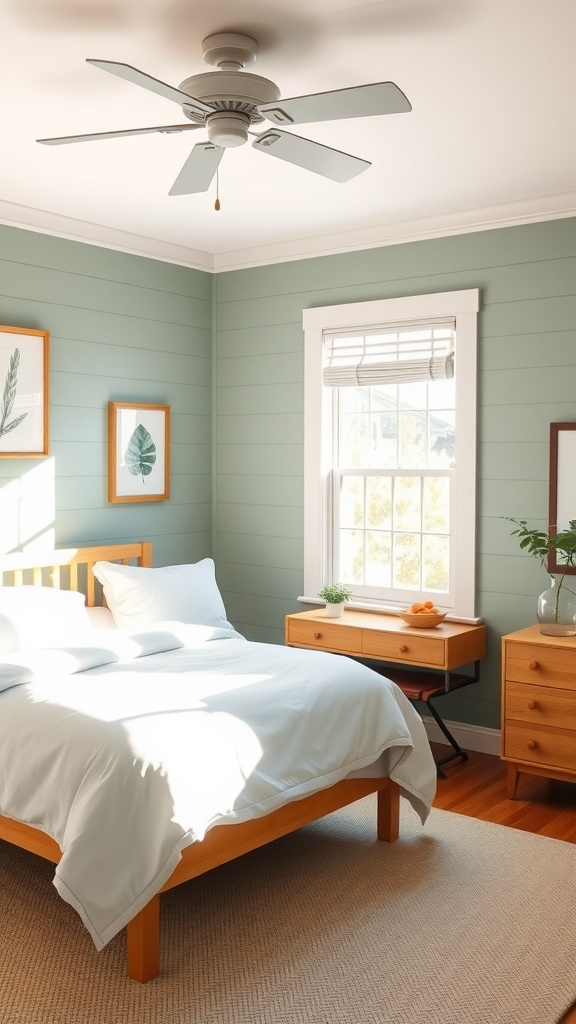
x=532, y=705
x=403, y=649
x=317, y=636
x=532, y=744
x=533, y=665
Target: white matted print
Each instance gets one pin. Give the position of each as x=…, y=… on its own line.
x=23, y=392
x=138, y=452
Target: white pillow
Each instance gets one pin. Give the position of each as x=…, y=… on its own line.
x=138, y=596
x=33, y=617
x=100, y=619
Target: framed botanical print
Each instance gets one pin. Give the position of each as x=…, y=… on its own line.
x=138, y=452
x=24, y=402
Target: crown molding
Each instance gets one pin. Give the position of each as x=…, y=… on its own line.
x=529, y=211
x=463, y=222
x=13, y=215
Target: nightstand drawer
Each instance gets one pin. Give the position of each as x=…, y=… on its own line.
x=326, y=637
x=541, y=665
x=539, y=705
x=540, y=745
x=403, y=647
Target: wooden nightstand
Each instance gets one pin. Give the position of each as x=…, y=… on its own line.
x=422, y=662
x=538, y=706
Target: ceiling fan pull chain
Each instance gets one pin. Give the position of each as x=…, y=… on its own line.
x=217, y=203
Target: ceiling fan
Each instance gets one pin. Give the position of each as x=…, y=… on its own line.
x=228, y=102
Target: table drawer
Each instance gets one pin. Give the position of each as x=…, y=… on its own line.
x=403, y=647
x=540, y=665
x=324, y=637
x=540, y=745
x=540, y=705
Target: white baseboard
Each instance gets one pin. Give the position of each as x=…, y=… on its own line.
x=470, y=737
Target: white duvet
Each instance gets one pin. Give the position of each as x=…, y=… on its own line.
x=128, y=750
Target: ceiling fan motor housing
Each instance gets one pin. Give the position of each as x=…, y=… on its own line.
x=228, y=129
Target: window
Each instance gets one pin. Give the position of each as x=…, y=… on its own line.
x=390, y=441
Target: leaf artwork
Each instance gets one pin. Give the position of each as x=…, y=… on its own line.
x=6, y=425
x=140, y=454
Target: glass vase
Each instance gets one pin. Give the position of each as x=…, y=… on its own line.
x=557, y=608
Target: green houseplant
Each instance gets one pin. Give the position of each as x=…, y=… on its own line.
x=335, y=595
x=557, y=604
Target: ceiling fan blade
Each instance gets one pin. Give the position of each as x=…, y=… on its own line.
x=313, y=156
x=137, y=77
x=199, y=169
x=359, y=101
x=165, y=129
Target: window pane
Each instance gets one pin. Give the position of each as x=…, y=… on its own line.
x=385, y=438
x=436, y=564
x=379, y=502
x=353, y=439
x=442, y=394
x=378, y=559
x=352, y=501
x=413, y=440
x=436, y=504
x=355, y=400
x=407, y=503
x=406, y=567
x=442, y=439
x=351, y=543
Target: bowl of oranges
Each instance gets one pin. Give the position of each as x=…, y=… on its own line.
x=423, y=614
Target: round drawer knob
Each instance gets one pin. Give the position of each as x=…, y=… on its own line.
x=317, y=636
x=533, y=665
x=532, y=705
x=403, y=649
x=532, y=744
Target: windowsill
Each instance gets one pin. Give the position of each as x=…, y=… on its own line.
x=365, y=606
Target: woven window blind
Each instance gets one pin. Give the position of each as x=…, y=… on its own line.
x=390, y=354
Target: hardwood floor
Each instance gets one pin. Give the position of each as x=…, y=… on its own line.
x=477, y=787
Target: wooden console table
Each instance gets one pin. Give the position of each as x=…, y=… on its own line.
x=424, y=663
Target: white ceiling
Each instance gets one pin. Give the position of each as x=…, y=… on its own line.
x=490, y=140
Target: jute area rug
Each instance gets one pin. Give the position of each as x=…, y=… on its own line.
x=460, y=922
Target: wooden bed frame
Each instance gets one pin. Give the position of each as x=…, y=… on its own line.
x=71, y=569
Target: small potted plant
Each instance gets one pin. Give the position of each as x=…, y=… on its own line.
x=335, y=595
x=557, y=604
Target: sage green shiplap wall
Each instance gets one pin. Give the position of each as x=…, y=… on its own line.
x=123, y=328
x=527, y=379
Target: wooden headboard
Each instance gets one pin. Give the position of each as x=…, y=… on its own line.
x=70, y=568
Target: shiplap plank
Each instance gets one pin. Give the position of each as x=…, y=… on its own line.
x=107, y=329
x=260, y=520
x=263, y=553
x=71, y=356
x=89, y=293
x=37, y=249
x=260, y=458
x=75, y=388
x=262, y=399
x=255, y=429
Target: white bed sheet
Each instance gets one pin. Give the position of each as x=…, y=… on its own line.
x=128, y=762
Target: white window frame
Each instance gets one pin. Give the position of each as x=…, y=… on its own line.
x=463, y=306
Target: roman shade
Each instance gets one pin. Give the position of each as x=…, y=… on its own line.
x=390, y=354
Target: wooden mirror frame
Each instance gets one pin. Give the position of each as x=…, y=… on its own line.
x=562, y=492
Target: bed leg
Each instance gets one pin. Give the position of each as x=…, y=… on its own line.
x=388, y=814
x=143, y=942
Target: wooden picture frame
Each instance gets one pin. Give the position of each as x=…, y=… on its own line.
x=562, y=492
x=24, y=386
x=138, y=452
